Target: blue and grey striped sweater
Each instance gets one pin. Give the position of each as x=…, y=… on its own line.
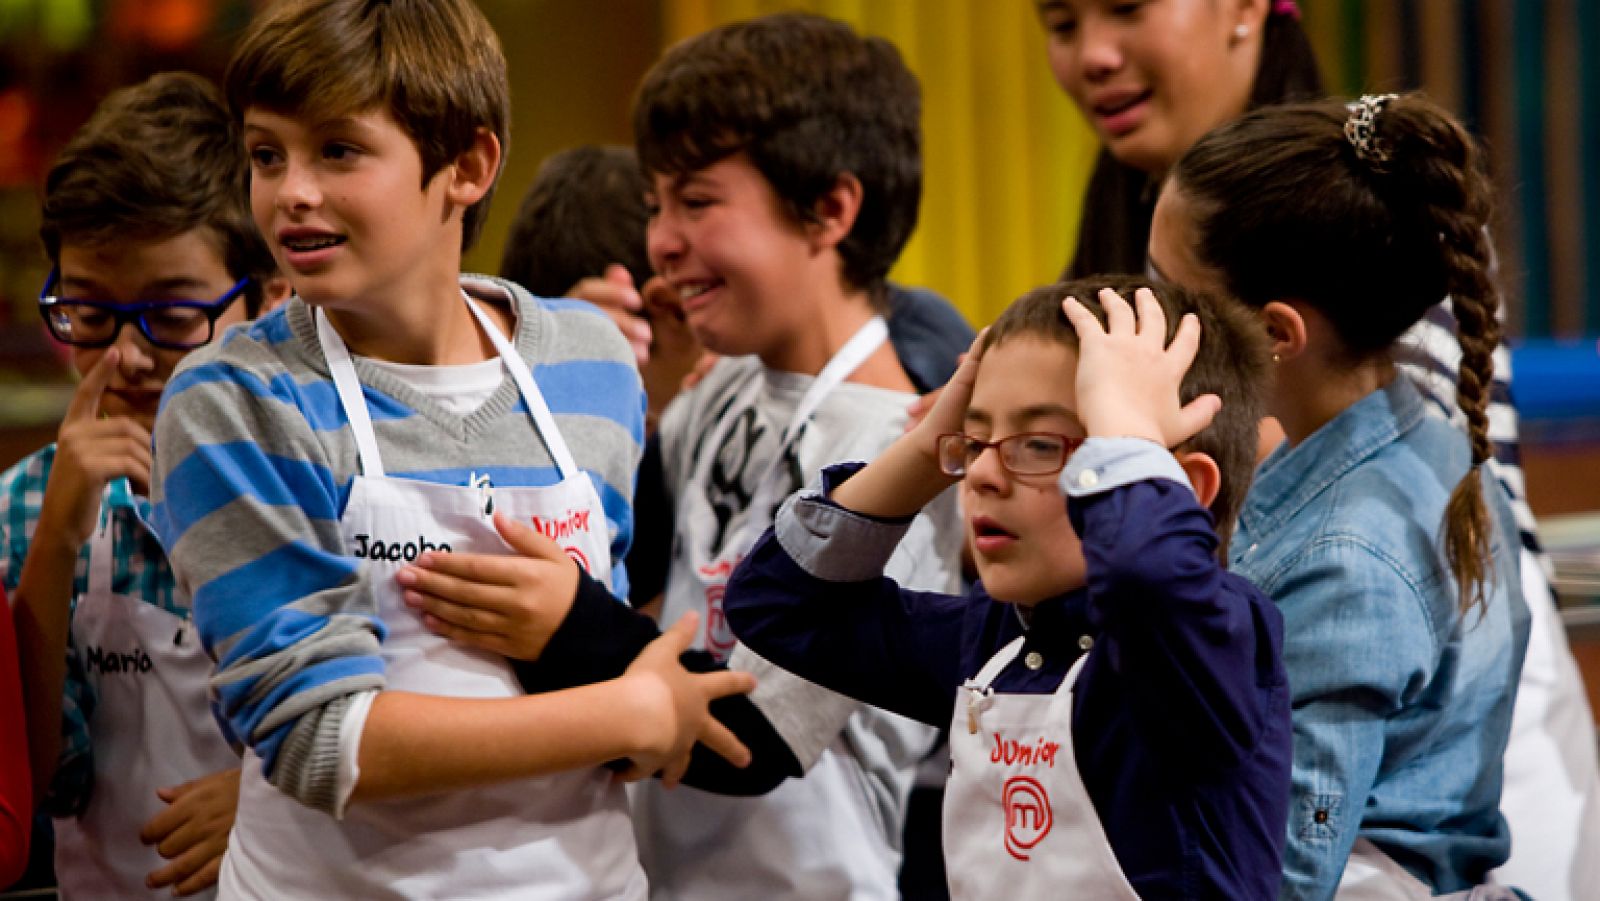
x=254, y=465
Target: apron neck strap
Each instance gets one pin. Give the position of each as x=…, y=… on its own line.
x=348, y=385
x=863, y=344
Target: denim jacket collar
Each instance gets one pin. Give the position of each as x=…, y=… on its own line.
x=1292, y=477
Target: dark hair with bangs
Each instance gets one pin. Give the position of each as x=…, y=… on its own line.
x=807, y=99
x=157, y=160
x=584, y=211
x=434, y=65
x=1230, y=363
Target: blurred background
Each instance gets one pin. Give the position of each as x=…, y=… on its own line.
x=1007, y=159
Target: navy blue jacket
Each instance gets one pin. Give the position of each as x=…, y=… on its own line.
x=1181, y=717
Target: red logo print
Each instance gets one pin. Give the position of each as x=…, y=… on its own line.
x=1028, y=817
x=578, y=558
x=719, y=637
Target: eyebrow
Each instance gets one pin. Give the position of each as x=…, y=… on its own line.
x=162, y=289
x=1027, y=414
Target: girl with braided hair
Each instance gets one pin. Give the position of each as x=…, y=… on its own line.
x=1150, y=78
x=1375, y=526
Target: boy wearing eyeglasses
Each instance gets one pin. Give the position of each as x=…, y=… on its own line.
x=1121, y=721
x=147, y=226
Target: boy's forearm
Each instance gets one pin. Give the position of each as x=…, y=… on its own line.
x=422, y=744
x=41, y=611
x=902, y=481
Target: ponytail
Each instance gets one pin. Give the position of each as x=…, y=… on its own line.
x=1437, y=167
x=1370, y=213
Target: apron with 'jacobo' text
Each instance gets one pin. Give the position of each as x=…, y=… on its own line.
x=563, y=836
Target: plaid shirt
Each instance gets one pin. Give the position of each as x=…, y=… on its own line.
x=140, y=570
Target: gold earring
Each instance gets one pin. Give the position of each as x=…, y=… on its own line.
x=1276, y=359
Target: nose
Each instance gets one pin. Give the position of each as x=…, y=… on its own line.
x=1099, y=48
x=664, y=241
x=298, y=188
x=985, y=474
x=136, y=355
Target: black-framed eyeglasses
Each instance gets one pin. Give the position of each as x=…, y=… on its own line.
x=172, y=324
x=1023, y=454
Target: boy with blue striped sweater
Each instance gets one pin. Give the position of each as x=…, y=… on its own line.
x=395, y=409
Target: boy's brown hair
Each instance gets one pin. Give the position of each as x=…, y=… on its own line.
x=585, y=210
x=807, y=99
x=156, y=160
x=1230, y=363
x=434, y=65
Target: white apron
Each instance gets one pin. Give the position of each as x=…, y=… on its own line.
x=711, y=567
x=151, y=728
x=1018, y=822
x=565, y=836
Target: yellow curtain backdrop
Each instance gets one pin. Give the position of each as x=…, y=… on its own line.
x=1006, y=157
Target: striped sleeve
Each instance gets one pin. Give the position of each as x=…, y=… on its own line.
x=248, y=510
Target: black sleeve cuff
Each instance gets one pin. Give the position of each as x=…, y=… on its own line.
x=597, y=641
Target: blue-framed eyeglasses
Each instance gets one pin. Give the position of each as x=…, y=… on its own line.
x=172, y=324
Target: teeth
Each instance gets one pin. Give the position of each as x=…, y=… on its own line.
x=689, y=292
x=305, y=244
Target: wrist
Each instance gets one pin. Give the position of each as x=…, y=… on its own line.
x=57, y=536
x=1127, y=427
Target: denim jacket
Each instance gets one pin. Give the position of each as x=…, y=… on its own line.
x=1401, y=704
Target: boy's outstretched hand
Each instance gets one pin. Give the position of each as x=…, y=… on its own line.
x=673, y=707
x=1129, y=377
x=505, y=604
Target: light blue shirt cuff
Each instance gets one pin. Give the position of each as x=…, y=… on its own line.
x=1103, y=464
x=832, y=543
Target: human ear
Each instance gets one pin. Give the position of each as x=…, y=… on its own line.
x=1204, y=475
x=472, y=173
x=1247, y=17
x=834, y=213
x=1286, y=330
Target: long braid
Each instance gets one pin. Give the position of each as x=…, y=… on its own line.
x=1440, y=165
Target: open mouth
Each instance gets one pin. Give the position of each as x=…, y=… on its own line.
x=1120, y=113
x=312, y=244
x=989, y=535
x=693, y=295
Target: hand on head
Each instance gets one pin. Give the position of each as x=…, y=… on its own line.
x=1129, y=376
x=944, y=411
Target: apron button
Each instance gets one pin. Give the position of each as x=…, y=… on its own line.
x=1034, y=660
x=1085, y=642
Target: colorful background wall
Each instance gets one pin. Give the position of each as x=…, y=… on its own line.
x=1007, y=157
